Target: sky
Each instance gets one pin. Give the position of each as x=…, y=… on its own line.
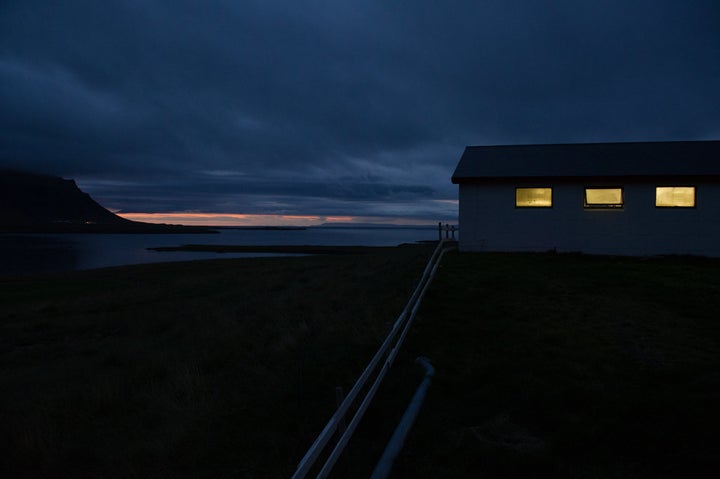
x=305, y=112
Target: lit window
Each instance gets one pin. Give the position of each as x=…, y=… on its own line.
x=603, y=198
x=533, y=197
x=675, y=196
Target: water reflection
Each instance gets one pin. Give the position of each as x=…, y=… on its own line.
x=22, y=254
x=37, y=253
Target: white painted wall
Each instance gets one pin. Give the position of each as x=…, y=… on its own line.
x=489, y=221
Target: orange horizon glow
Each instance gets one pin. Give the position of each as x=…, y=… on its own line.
x=230, y=219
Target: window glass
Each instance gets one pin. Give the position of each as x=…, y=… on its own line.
x=533, y=197
x=603, y=197
x=675, y=196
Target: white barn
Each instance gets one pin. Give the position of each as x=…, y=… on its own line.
x=650, y=198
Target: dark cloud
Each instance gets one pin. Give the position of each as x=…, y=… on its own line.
x=223, y=105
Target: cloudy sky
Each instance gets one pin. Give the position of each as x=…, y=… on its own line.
x=335, y=109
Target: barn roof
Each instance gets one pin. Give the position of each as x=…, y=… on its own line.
x=637, y=159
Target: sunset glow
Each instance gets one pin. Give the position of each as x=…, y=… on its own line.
x=225, y=219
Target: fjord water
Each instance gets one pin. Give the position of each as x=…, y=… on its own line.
x=35, y=253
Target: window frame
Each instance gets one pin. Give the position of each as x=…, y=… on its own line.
x=533, y=207
x=672, y=207
x=604, y=206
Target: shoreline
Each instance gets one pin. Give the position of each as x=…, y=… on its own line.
x=280, y=249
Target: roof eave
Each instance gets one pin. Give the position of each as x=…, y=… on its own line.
x=676, y=178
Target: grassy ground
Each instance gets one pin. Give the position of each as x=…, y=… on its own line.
x=566, y=366
x=204, y=369
x=547, y=366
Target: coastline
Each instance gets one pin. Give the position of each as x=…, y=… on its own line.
x=119, y=228
x=26, y=253
x=279, y=249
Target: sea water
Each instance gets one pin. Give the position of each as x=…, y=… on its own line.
x=34, y=253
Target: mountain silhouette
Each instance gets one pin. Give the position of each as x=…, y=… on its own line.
x=31, y=202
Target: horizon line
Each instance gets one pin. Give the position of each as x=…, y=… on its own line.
x=258, y=220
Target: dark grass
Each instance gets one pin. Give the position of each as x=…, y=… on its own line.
x=547, y=366
x=564, y=366
x=203, y=369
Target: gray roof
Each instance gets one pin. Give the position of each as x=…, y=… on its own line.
x=642, y=159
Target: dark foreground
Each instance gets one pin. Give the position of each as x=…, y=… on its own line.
x=547, y=366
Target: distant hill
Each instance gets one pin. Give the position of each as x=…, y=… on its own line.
x=31, y=202
x=32, y=199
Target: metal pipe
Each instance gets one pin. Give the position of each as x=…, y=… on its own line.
x=397, y=441
x=324, y=437
x=342, y=442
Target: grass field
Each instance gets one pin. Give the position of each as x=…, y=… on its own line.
x=547, y=366
x=204, y=369
x=568, y=366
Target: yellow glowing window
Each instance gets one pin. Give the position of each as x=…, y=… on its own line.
x=533, y=197
x=603, y=198
x=675, y=196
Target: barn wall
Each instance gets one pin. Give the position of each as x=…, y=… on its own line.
x=489, y=221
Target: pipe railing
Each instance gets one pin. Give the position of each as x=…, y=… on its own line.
x=397, y=441
x=401, y=325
